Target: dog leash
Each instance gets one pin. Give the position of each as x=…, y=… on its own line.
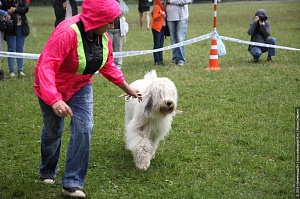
x=140, y=98
x=129, y=97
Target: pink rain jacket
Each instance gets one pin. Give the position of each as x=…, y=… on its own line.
x=55, y=72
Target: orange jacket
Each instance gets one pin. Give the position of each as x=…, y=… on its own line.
x=157, y=17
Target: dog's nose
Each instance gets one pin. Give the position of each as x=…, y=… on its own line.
x=169, y=103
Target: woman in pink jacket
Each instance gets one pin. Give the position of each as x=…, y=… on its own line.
x=78, y=47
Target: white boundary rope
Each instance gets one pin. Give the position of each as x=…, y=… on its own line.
x=143, y=52
x=19, y=55
x=256, y=44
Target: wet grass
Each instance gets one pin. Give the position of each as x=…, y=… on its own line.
x=235, y=138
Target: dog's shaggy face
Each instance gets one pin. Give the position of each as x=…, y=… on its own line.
x=162, y=97
x=149, y=121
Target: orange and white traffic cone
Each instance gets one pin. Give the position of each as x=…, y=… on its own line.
x=213, y=57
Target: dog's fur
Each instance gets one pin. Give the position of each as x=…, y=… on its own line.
x=149, y=121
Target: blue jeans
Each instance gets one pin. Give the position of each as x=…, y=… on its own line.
x=158, y=40
x=15, y=43
x=178, y=31
x=81, y=127
x=256, y=51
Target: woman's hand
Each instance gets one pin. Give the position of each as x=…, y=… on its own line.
x=61, y=109
x=131, y=91
x=163, y=13
x=7, y=17
x=11, y=10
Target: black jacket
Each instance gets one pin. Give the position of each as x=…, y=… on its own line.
x=21, y=9
x=60, y=12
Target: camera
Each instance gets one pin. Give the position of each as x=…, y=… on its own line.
x=9, y=24
x=6, y=25
x=262, y=18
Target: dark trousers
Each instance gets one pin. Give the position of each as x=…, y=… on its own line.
x=256, y=51
x=158, y=40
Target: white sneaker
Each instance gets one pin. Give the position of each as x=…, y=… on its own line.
x=73, y=192
x=48, y=181
x=22, y=74
x=12, y=74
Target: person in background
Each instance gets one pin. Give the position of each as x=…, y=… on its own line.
x=4, y=16
x=144, y=7
x=63, y=85
x=158, y=23
x=16, y=36
x=117, y=33
x=177, y=19
x=64, y=9
x=259, y=30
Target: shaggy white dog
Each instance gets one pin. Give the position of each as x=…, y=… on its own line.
x=149, y=121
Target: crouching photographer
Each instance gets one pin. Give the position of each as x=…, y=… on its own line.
x=259, y=30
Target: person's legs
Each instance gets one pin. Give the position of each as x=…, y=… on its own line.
x=147, y=13
x=1, y=43
x=141, y=20
x=173, y=36
x=20, y=41
x=118, y=45
x=181, y=37
x=81, y=128
x=255, y=52
x=271, y=51
x=161, y=45
x=50, y=141
x=11, y=47
x=155, y=46
x=117, y=42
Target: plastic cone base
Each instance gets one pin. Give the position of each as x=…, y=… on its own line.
x=213, y=68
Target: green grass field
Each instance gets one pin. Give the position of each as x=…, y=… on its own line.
x=235, y=138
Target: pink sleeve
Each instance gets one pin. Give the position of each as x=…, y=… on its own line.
x=110, y=70
x=53, y=55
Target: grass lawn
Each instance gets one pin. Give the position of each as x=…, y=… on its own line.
x=235, y=138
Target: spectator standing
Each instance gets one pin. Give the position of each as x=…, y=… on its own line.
x=177, y=19
x=16, y=36
x=158, y=23
x=144, y=7
x=117, y=33
x=3, y=17
x=64, y=9
x=259, y=30
x=63, y=84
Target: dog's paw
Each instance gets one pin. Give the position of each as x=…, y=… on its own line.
x=142, y=162
x=143, y=165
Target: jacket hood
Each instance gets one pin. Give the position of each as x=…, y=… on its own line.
x=157, y=2
x=261, y=12
x=96, y=13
